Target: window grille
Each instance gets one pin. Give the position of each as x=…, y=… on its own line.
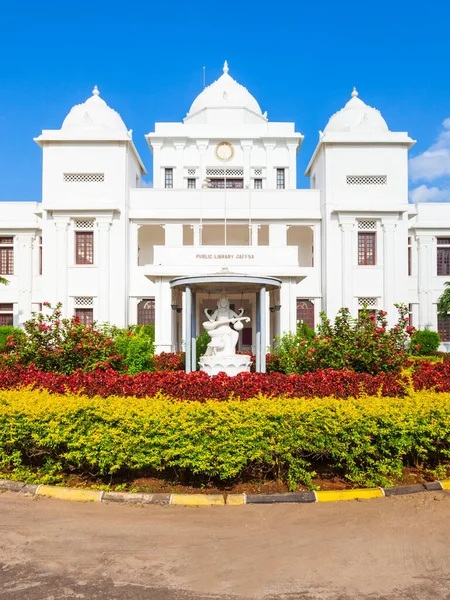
x=85, y=315
x=223, y=172
x=443, y=325
x=7, y=255
x=146, y=312
x=231, y=183
x=305, y=312
x=84, y=224
x=257, y=172
x=367, y=225
x=366, y=248
x=84, y=177
x=281, y=180
x=443, y=256
x=366, y=179
x=84, y=247
x=191, y=171
x=369, y=302
x=258, y=184
x=191, y=183
x=83, y=301
x=6, y=314
x=168, y=178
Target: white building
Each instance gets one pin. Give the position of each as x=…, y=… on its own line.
x=224, y=196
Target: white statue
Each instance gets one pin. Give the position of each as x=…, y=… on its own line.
x=224, y=338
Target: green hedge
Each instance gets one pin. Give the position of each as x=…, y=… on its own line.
x=368, y=439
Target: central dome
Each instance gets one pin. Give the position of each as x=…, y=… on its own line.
x=225, y=92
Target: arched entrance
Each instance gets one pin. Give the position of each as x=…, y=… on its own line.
x=225, y=282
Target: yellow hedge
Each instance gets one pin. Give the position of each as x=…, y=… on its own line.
x=367, y=439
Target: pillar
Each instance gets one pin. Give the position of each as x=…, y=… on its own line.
x=197, y=230
x=104, y=272
x=254, y=229
x=291, y=182
x=193, y=332
x=347, y=263
x=61, y=263
x=270, y=170
x=24, y=249
x=163, y=316
x=426, y=246
x=389, y=269
x=263, y=326
x=246, y=146
x=178, y=182
x=188, y=325
x=258, y=333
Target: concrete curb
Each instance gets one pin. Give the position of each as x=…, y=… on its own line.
x=90, y=495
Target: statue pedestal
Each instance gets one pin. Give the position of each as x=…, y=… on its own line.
x=231, y=365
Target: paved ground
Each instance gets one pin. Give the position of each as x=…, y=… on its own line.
x=391, y=548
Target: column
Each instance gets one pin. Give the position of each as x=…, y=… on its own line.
x=254, y=229
x=197, y=229
x=258, y=333
x=270, y=171
x=202, y=146
x=188, y=325
x=61, y=263
x=263, y=319
x=193, y=332
x=23, y=247
x=347, y=263
x=246, y=146
x=178, y=181
x=287, y=315
x=426, y=245
x=389, y=269
x=134, y=244
x=157, y=175
x=291, y=182
x=104, y=264
x=163, y=314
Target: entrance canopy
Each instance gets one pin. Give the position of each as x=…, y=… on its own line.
x=225, y=282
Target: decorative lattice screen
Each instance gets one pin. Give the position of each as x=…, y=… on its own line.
x=222, y=172
x=367, y=225
x=191, y=171
x=84, y=177
x=369, y=302
x=257, y=172
x=84, y=224
x=84, y=301
x=366, y=179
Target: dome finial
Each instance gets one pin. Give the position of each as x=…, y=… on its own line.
x=355, y=93
x=225, y=67
x=95, y=91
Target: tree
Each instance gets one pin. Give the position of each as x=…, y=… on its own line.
x=443, y=305
x=3, y=280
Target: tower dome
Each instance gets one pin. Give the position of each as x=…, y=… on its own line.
x=93, y=115
x=225, y=93
x=356, y=117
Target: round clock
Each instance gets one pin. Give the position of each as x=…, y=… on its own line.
x=224, y=151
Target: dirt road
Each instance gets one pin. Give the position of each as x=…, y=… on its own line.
x=391, y=548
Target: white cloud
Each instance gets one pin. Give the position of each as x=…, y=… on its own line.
x=423, y=193
x=434, y=163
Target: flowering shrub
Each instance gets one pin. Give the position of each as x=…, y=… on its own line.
x=425, y=342
x=200, y=386
x=169, y=361
x=368, y=440
x=59, y=345
x=364, y=345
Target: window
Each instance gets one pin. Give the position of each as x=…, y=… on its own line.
x=305, y=312
x=258, y=184
x=410, y=314
x=280, y=179
x=84, y=247
x=366, y=248
x=366, y=179
x=6, y=314
x=231, y=183
x=168, y=178
x=191, y=184
x=443, y=256
x=7, y=255
x=146, y=312
x=86, y=315
x=444, y=328
x=409, y=257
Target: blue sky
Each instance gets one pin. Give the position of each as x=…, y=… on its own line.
x=299, y=59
